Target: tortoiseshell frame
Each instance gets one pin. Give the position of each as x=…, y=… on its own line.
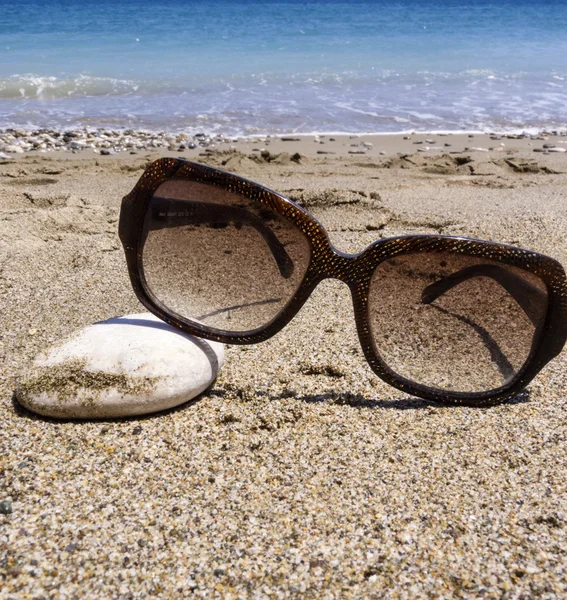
x=355, y=270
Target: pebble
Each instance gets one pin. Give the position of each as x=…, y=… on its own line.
x=554, y=149
x=108, y=142
x=125, y=366
x=18, y=141
x=5, y=507
x=14, y=149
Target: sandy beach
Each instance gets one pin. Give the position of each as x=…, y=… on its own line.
x=298, y=474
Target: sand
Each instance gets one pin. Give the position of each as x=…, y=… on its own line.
x=298, y=473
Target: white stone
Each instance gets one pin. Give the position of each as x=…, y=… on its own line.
x=14, y=149
x=130, y=365
x=557, y=150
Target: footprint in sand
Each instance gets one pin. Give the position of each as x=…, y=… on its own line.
x=33, y=181
x=43, y=200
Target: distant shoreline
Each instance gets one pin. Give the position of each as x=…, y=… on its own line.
x=16, y=142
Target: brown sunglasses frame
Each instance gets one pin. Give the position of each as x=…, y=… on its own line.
x=355, y=270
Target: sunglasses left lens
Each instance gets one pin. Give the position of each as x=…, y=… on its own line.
x=218, y=258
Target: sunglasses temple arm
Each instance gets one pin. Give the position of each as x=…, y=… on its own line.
x=530, y=298
x=192, y=212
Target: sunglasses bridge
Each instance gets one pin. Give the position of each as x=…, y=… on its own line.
x=330, y=263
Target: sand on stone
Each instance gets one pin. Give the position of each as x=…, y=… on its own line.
x=298, y=473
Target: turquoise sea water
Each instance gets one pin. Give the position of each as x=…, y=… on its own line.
x=246, y=66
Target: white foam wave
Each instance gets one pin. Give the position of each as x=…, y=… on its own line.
x=29, y=86
x=284, y=103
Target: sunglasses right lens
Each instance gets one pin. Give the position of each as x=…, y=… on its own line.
x=220, y=259
x=453, y=322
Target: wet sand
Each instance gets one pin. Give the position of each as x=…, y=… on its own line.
x=298, y=473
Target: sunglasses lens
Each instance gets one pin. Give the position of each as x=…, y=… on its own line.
x=455, y=323
x=217, y=258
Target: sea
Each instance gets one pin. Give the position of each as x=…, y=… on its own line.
x=249, y=67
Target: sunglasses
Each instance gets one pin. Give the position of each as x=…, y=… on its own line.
x=444, y=318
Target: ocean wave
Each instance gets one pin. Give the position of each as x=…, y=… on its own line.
x=290, y=103
x=39, y=87
x=51, y=88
